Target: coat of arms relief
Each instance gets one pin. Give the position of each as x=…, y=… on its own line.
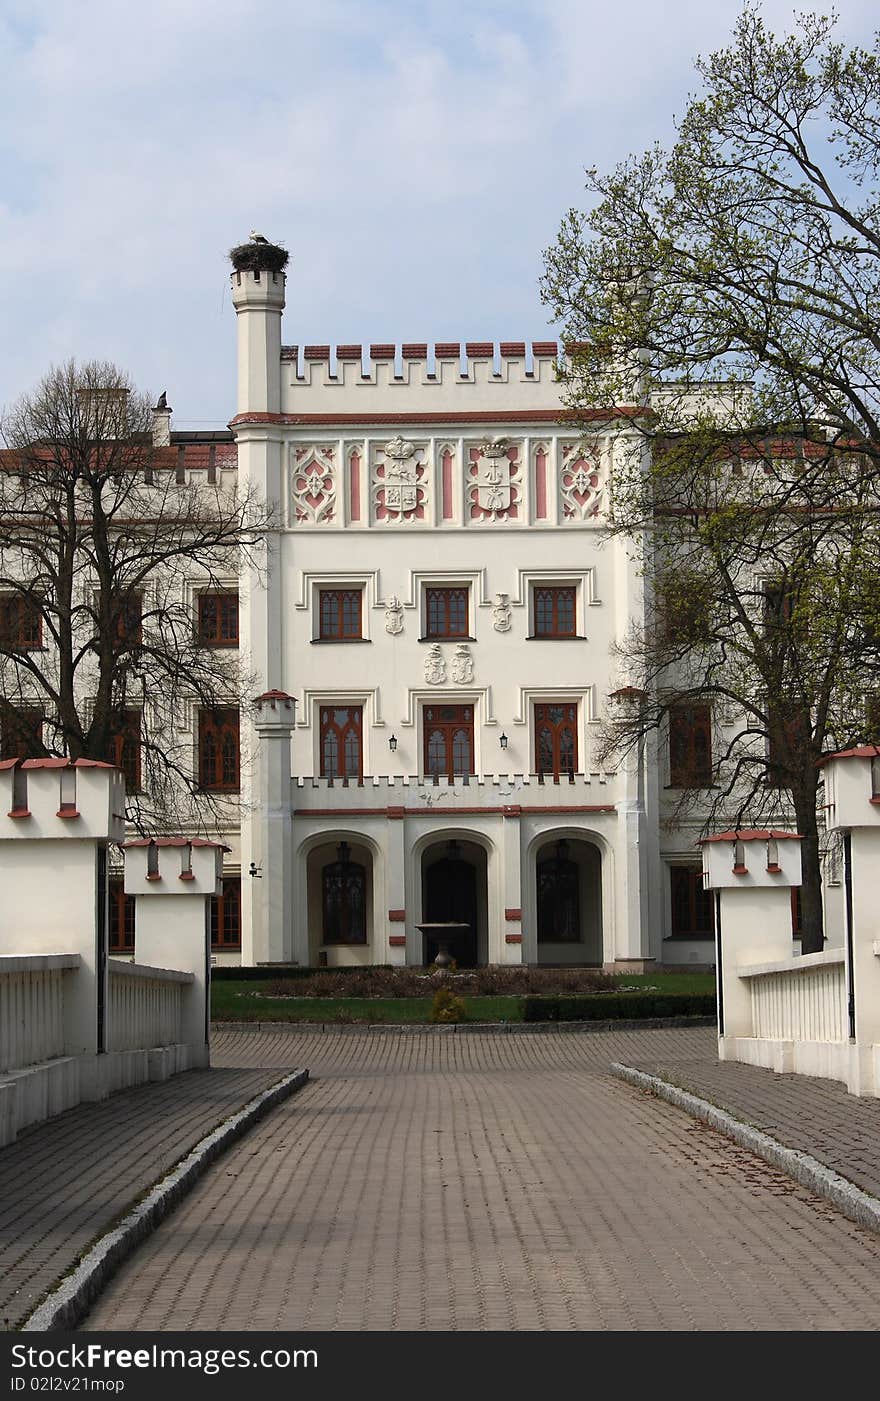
x=400, y=482
x=494, y=481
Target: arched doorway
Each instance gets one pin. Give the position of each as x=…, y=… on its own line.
x=340, y=902
x=454, y=890
x=568, y=901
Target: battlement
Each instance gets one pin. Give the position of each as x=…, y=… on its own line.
x=443, y=375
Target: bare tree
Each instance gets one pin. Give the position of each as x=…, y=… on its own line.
x=105, y=545
x=726, y=292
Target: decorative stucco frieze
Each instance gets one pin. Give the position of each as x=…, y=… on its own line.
x=581, y=482
x=313, y=486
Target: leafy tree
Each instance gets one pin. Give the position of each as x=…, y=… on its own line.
x=104, y=544
x=727, y=292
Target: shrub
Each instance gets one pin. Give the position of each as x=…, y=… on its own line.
x=446, y=1007
x=615, y=1007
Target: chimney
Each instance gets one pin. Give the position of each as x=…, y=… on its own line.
x=161, y=423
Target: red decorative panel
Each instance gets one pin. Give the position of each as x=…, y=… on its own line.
x=512, y=915
x=513, y=938
x=397, y=916
x=397, y=941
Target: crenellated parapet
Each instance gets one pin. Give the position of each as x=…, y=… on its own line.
x=475, y=375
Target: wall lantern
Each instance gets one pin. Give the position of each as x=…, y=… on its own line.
x=502, y=740
x=392, y=743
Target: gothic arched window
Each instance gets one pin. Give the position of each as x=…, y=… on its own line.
x=559, y=906
x=344, y=900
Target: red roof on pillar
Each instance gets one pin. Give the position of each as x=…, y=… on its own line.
x=862, y=751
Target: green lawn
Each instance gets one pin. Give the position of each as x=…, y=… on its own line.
x=247, y=1001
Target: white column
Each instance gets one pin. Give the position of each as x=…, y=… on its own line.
x=272, y=887
x=173, y=880
x=56, y=818
x=754, y=874
x=511, y=858
x=852, y=794
x=397, y=915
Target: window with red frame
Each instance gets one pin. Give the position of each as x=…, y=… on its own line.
x=342, y=741
x=787, y=735
x=21, y=732
x=21, y=622
x=339, y=615
x=555, y=610
x=126, y=613
x=226, y=915
x=556, y=738
x=125, y=747
x=449, y=740
x=344, y=900
x=218, y=619
x=122, y=908
x=219, y=748
x=446, y=612
x=690, y=746
x=693, y=908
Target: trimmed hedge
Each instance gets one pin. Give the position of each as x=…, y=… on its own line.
x=229, y=973
x=617, y=1006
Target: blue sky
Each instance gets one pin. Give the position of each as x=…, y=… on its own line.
x=414, y=157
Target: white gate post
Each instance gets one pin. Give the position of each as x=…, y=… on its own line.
x=852, y=796
x=172, y=880
x=753, y=873
x=56, y=819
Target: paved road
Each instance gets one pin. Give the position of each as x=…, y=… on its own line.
x=490, y=1182
x=67, y=1181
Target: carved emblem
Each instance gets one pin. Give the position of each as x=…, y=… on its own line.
x=394, y=615
x=435, y=666
x=313, y=482
x=501, y=613
x=462, y=668
x=399, y=482
x=493, y=481
x=581, y=484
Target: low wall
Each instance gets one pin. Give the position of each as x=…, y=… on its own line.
x=32, y=1007
x=40, y=1078
x=144, y=1006
x=798, y=1015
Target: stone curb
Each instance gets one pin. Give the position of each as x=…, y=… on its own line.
x=479, y=1028
x=68, y=1301
x=859, y=1206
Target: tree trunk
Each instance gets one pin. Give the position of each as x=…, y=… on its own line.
x=812, y=922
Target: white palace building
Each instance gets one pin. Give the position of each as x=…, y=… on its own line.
x=433, y=644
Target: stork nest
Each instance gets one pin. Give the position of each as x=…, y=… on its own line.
x=259, y=257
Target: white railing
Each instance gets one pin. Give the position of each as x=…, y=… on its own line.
x=144, y=1006
x=32, y=1007
x=803, y=999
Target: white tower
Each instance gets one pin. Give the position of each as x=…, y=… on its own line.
x=258, y=286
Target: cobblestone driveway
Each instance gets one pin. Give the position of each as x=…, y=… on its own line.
x=490, y=1182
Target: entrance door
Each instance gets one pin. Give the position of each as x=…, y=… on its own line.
x=450, y=893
